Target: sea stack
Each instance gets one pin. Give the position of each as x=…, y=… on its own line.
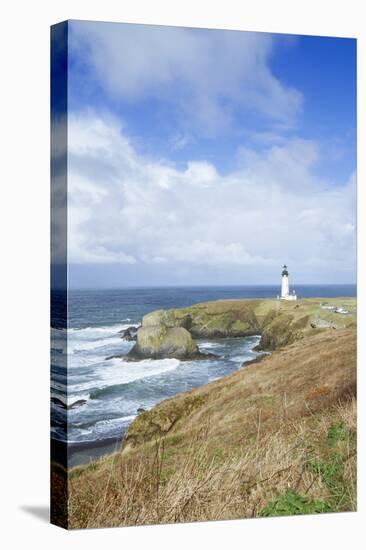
x=285, y=287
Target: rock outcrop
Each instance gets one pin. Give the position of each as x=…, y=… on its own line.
x=280, y=329
x=129, y=334
x=162, y=342
x=160, y=420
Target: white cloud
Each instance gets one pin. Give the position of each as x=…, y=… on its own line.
x=209, y=76
x=124, y=208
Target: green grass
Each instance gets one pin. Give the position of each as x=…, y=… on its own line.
x=337, y=432
x=292, y=504
x=330, y=469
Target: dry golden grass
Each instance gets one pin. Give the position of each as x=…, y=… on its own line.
x=140, y=488
x=302, y=378
x=285, y=424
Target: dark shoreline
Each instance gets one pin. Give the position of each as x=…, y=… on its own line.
x=79, y=454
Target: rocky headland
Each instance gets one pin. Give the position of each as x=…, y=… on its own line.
x=171, y=333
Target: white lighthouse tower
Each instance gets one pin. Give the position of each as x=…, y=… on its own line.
x=285, y=287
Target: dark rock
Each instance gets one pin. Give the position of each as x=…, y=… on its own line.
x=77, y=404
x=257, y=359
x=63, y=405
x=321, y=323
x=129, y=334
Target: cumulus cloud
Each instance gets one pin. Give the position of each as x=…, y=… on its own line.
x=127, y=209
x=208, y=76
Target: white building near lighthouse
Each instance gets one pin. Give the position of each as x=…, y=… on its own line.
x=285, y=286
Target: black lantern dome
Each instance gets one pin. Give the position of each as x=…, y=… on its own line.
x=285, y=272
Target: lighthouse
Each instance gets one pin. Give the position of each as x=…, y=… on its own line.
x=285, y=286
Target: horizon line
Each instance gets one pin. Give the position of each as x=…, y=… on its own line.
x=252, y=285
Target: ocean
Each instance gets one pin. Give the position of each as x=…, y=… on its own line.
x=103, y=396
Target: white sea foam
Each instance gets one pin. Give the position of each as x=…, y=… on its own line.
x=209, y=345
x=116, y=372
x=84, y=360
x=91, y=338
x=122, y=372
x=115, y=421
x=87, y=332
x=101, y=429
x=82, y=345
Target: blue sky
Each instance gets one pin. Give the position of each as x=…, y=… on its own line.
x=206, y=156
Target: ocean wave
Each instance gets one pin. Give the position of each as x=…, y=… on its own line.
x=59, y=347
x=106, y=329
x=91, y=338
x=58, y=332
x=58, y=340
x=114, y=421
x=82, y=345
x=125, y=372
x=59, y=386
x=100, y=430
x=112, y=376
x=105, y=422
x=59, y=378
x=209, y=345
